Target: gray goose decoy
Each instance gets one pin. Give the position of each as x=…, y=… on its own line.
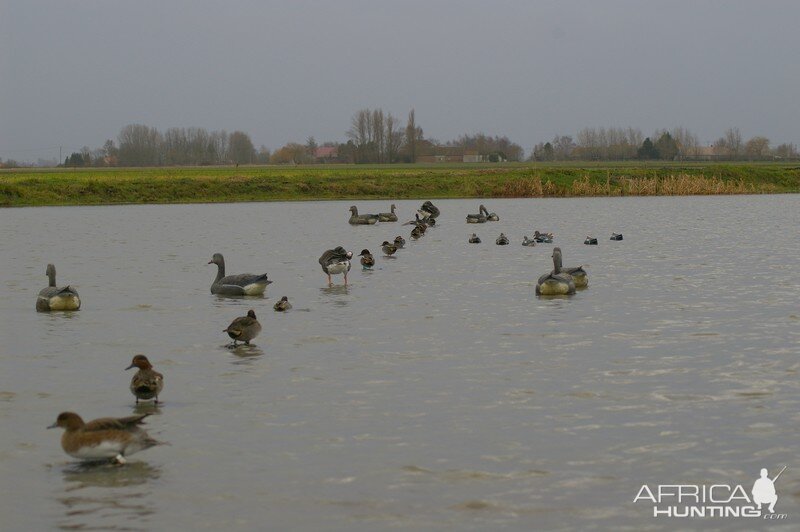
x=490, y=216
x=400, y=242
x=361, y=219
x=556, y=282
x=479, y=218
x=244, y=328
x=244, y=284
x=388, y=216
x=502, y=240
x=283, y=305
x=336, y=261
x=474, y=239
x=57, y=298
x=429, y=212
x=367, y=260
x=147, y=383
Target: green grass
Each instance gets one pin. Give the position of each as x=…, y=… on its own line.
x=92, y=186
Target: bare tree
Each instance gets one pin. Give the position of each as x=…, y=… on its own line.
x=240, y=148
x=757, y=148
x=733, y=140
x=413, y=135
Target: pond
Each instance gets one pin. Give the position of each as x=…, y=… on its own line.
x=436, y=392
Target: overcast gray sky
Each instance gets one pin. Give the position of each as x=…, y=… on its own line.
x=73, y=73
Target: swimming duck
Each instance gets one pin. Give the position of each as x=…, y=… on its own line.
x=546, y=238
x=361, y=219
x=244, y=328
x=429, y=211
x=336, y=261
x=528, y=241
x=502, y=240
x=147, y=383
x=244, y=284
x=490, y=216
x=555, y=282
x=283, y=305
x=57, y=298
x=479, y=218
x=417, y=232
x=616, y=236
x=367, y=260
x=590, y=241
x=387, y=216
x=400, y=242
x=388, y=249
x=104, y=438
x=474, y=239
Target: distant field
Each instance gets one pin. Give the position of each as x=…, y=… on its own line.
x=23, y=187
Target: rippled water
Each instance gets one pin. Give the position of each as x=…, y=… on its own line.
x=435, y=393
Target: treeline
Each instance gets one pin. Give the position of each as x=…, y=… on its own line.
x=615, y=144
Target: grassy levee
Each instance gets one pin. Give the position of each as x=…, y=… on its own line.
x=95, y=186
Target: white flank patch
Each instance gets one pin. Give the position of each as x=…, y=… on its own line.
x=255, y=289
x=339, y=267
x=106, y=449
x=64, y=303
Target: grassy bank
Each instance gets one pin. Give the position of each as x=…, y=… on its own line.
x=21, y=187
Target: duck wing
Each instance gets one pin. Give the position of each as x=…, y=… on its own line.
x=112, y=423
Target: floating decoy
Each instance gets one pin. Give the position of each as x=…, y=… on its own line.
x=388, y=249
x=616, y=236
x=490, y=216
x=502, y=240
x=361, y=219
x=474, y=239
x=545, y=238
x=400, y=242
x=590, y=241
x=579, y=276
x=104, y=438
x=336, y=261
x=429, y=211
x=244, y=284
x=387, y=216
x=367, y=260
x=479, y=218
x=556, y=282
x=244, y=328
x=283, y=305
x=528, y=241
x=57, y=298
x=147, y=383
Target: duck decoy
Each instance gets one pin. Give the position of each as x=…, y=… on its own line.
x=528, y=241
x=388, y=249
x=244, y=328
x=361, y=219
x=543, y=238
x=367, y=260
x=590, y=241
x=283, y=305
x=103, y=438
x=474, y=239
x=429, y=211
x=502, y=240
x=147, y=383
x=616, y=236
x=336, y=261
x=387, y=216
x=56, y=298
x=400, y=242
x=479, y=218
x=243, y=284
x=490, y=216
x=556, y=282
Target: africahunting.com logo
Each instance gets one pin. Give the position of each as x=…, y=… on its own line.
x=715, y=500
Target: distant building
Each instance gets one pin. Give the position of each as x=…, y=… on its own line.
x=326, y=154
x=450, y=154
x=701, y=153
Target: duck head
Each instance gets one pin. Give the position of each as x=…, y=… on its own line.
x=364, y=252
x=251, y=314
x=67, y=420
x=141, y=362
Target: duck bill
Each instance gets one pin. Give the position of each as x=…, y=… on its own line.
x=53, y=426
x=131, y=366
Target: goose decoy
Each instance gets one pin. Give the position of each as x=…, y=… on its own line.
x=474, y=239
x=590, y=241
x=147, y=383
x=556, y=282
x=502, y=240
x=490, y=216
x=244, y=284
x=479, y=218
x=387, y=216
x=57, y=298
x=283, y=305
x=545, y=238
x=528, y=241
x=367, y=260
x=104, y=438
x=336, y=261
x=616, y=236
x=388, y=249
x=361, y=219
x=399, y=242
x=244, y=328
x=429, y=212
x=579, y=276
